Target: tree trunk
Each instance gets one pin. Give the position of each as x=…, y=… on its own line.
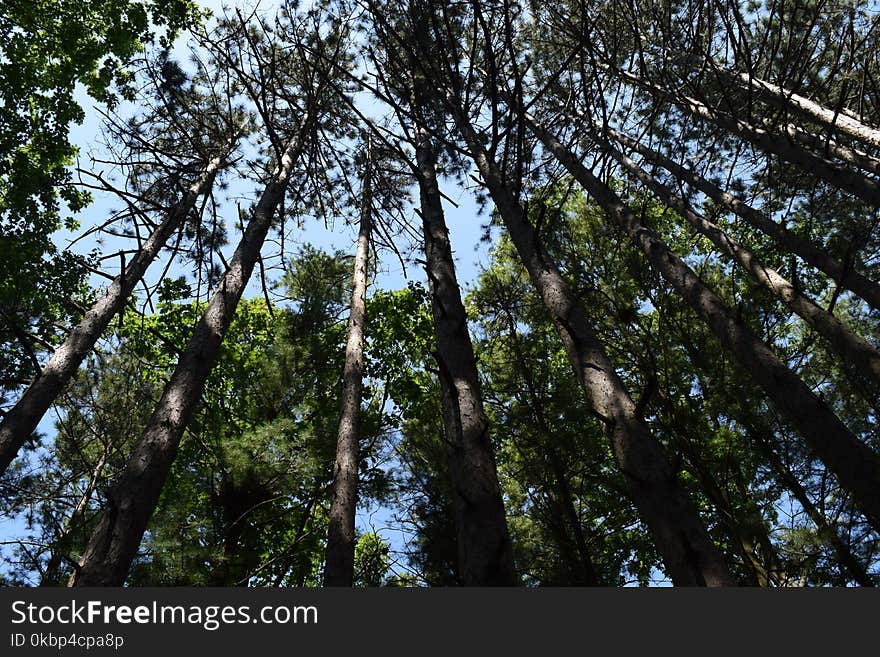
x=852, y=349
x=856, y=465
x=841, y=274
x=339, y=563
x=838, y=176
x=22, y=419
x=485, y=552
x=818, y=144
x=114, y=543
x=788, y=100
x=682, y=540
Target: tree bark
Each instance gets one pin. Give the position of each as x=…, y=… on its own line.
x=114, y=543
x=841, y=274
x=22, y=419
x=856, y=465
x=485, y=552
x=339, y=562
x=852, y=349
x=682, y=541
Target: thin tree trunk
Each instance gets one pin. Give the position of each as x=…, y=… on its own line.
x=237, y=503
x=838, y=176
x=746, y=533
x=841, y=274
x=682, y=540
x=339, y=562
x=786, y=99
x=856, y=465
x=114, y=543
x=744, y=523
x=22, y=419
x=485, y=552
x=62, y=544
x=584, y=569
x=852, y=349
x=721, y=502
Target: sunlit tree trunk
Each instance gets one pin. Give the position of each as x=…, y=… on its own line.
x=787, y=99
x=819, y=144
x=339, y=562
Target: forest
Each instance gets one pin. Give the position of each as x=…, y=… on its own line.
x=663, y=370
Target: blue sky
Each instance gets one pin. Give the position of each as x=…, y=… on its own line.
x=462, y=216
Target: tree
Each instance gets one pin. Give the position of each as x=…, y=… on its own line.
x=339, y=565
x=169, y=133
x=485, y=555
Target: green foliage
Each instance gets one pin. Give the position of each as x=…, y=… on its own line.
x=49, y=47
x=371, y=560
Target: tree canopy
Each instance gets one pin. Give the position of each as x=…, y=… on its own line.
x=665, y=370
